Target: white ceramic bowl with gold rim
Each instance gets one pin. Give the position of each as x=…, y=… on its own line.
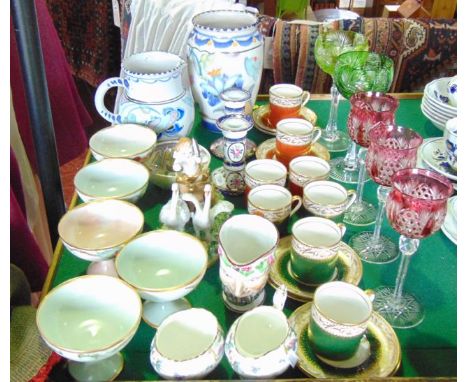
x=188, y=345
x=112, y=178
x=164, y=266
x=129, y=141
x=89, y=318
x=97, y=230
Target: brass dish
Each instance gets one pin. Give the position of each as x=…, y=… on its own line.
x=349, y=269
x=383, y=361
x=266, y=150
x=260, y=113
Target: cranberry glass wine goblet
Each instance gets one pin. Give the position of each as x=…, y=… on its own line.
x=416, y=208
x=359, y=72
x=367, y=109
x=392, y=148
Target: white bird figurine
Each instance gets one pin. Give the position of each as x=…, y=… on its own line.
x=201, y=216
x=175, y=213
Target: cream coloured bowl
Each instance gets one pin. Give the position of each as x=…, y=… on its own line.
x=97, y=230
x=164, y=266
x=112, y=178
x=89, y=318
x=123, y=141
x=188, y=345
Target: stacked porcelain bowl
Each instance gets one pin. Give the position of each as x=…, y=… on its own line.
x=439, y=103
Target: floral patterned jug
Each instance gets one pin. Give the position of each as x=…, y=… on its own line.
x=154, y=95
x=225, y=50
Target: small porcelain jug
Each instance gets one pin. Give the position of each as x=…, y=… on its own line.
x=261, y=343
x=246, y=248
x=154, y=95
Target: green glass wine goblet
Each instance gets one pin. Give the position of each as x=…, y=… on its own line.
x=330, y=44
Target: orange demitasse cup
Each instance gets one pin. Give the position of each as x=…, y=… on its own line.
x=286, y=101
x=294, y=136
x=306, y=169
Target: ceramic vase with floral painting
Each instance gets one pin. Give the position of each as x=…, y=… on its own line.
x=225, y=50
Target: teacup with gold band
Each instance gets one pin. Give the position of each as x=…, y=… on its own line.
x=327, y=199
x=286, y=101
x=306, y=169
x=294, y=137
x=264, y=171
x=314, y=249
x=272, y=202
x=339, y=317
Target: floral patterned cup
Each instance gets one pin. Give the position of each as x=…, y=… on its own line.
x=314, y=249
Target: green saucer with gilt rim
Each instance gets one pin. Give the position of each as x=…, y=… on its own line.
x=385, y=350
x=348, y=265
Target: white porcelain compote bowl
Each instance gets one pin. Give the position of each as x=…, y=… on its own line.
x=112, y=178
x=97, y=230
x=88, y=320
x=164, y=266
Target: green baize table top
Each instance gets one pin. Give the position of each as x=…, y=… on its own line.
x=427, y=350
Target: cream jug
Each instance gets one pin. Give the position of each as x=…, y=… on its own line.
x=154, y=95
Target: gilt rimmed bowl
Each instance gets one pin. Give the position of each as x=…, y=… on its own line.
x=129, y=141
x=112, y=178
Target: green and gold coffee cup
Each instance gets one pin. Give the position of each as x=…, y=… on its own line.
x=314, y=249
x=339, y=317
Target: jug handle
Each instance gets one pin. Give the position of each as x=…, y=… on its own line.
x=99, y=99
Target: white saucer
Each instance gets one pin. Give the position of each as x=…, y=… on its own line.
x=428, y=152
x=362, y=354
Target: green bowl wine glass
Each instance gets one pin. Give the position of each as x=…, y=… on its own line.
x=330, y=44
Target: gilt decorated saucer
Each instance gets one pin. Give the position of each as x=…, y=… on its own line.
x=349, y=269
x=383, y=361
x=266, y=150
x=260, y=115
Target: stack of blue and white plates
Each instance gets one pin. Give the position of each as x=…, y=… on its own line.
x=439, y=101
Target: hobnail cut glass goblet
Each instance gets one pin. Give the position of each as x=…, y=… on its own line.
x=416, y=208
x=328, y=46
x=392, y=148
x=360, y=72
x=366, y=110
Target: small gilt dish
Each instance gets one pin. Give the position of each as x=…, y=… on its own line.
x=349, y=269
x=385, y=351
x=266, y=150
x=260, y=113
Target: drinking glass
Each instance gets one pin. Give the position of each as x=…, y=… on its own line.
x=416, y=208
x=392, y=148
x=366, y=110
x=328, y=46
x=360, y=72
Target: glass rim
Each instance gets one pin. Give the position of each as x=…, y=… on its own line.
x=362, y=96
x=407, y=172
x=375, y=140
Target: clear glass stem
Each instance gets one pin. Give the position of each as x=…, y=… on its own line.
x=407, y=248
x=382, y=194
x=351, y=160
x=331, y=128
x=362, y=174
